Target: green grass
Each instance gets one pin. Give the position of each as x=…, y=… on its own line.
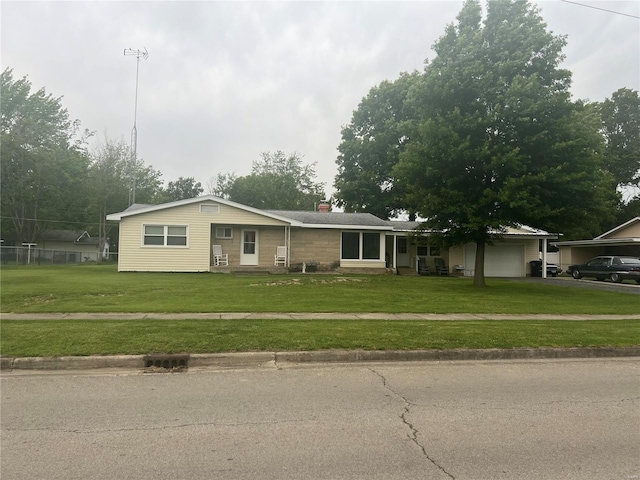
x=102, y=337
x=100, y=288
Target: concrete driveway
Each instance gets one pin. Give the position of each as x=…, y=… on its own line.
x=626, y=287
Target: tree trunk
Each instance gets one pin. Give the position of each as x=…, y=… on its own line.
x=478, y=274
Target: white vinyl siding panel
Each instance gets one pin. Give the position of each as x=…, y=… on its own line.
x=133, y=256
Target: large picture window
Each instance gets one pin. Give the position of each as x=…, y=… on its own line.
x=371, y=246
x=350, y=245
x=165, y=235
x=360, y=246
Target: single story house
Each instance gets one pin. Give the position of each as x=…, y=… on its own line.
x=74, y=242
x=211, y=234
x=621, y=240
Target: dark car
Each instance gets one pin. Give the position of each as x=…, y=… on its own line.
x=615, y=268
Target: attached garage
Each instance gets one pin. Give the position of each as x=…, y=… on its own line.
x=500, y=260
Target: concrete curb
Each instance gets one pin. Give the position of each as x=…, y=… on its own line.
x=275, y=359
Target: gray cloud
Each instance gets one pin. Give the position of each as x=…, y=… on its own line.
x=228, y=80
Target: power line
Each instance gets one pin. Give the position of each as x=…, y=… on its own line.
x=603, y=9
x=52, y=221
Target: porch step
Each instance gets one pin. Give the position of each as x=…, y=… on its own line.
x=249, y=270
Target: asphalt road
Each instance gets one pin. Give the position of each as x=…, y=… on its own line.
x=544, y=419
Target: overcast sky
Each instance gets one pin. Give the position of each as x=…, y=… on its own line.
x=225, y=81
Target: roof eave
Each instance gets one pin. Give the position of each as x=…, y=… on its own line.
x=347, y=227
x=596, y=242
x=163, y=206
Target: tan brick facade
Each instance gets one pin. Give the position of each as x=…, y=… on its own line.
x=321, y=246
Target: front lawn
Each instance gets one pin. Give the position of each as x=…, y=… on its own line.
x=100, y=288
x=22, y=338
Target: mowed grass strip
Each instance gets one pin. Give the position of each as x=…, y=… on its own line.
x=100, y=288
x=21, y=338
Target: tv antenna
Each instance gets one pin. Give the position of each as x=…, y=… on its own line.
x=134, y=131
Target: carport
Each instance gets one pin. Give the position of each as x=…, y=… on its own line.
x=621, y=240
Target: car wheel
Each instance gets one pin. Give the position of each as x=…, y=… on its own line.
x=615, y=278
x=638, y=281
x=576, y=274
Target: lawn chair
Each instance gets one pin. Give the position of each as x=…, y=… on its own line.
x=423, y=268
x=441, y=268
x=219, y=258
x=280, y=258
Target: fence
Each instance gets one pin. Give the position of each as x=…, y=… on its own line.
x=41, y=256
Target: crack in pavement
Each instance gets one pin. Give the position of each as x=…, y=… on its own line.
x=413, y=435
x=145, y=429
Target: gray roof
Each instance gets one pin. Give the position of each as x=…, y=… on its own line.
x=332, y=218
x=403, y=225
x=137, y=206
x=71, y=236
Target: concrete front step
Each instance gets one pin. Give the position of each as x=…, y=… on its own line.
x=248, y=270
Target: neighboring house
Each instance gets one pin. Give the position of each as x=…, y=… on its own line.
x=621, y=240
x=179, y=237
x=79, y=243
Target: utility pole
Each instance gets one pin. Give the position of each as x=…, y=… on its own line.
x=134, y=131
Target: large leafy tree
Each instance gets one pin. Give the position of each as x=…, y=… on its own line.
x=109, y=178
x=498, y=141
x=277, y=181
x=370, y=148
x=180, y=189
x=43, y=161
x=621, y=128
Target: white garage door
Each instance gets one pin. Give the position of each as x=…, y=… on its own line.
x=500, y=260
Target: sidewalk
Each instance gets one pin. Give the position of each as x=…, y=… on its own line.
x=276, y=360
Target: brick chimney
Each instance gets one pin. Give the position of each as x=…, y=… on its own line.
x=323, y=207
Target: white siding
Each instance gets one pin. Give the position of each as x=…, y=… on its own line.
x=133, y=256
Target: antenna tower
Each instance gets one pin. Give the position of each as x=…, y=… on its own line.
x=134, y=131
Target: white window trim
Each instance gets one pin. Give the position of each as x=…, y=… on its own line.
x=166, y=230
x=215, y=207
x=224, y=228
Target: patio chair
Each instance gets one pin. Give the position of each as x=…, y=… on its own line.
x=219, y=258
x=423, y=268
x=441, y=268
x=280, y=258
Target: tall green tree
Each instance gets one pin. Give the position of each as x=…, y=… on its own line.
x=370, y=148
x=278, y=181
x=220, y=185
x=43, y=161
x=109, y=178
x=498, y=141
x=181, y=189
x=621, y=127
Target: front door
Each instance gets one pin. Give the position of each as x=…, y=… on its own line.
x=249, y=248
x=403, y=252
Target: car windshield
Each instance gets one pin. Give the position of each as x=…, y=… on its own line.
x=630, y=261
